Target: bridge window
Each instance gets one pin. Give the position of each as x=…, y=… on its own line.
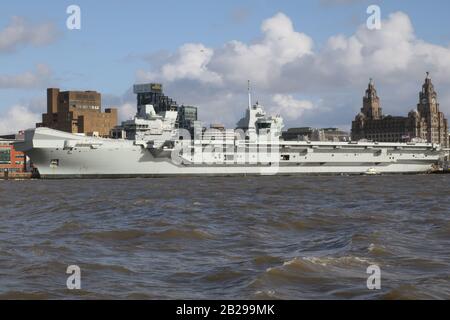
x=263, y=125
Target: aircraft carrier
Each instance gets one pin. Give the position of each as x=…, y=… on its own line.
x=151, y=145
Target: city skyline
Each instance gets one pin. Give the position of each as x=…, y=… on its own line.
x=313, y=71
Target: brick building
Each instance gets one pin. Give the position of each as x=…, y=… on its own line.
x=425, y=123
x=77, y=112
x=11, y=160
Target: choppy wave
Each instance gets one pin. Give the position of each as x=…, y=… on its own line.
x=21, y=295
x=299, y=266
x=222, y=276
x=183, y=234
x=213, y=238
x=69, y=226
x=378, y=250
x=406, y=292
x=115, y=235
x=106, y=267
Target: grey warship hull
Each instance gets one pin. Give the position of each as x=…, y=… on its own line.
x=58, y=154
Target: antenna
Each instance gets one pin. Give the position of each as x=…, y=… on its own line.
x=249, y=95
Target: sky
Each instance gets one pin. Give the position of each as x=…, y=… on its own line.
x=309, y=61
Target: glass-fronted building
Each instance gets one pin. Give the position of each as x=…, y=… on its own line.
x=152, y=93
x=187, y=115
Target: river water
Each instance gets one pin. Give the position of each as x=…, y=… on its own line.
x=227, y=238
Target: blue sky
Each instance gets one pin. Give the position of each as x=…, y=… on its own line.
x=119, y=38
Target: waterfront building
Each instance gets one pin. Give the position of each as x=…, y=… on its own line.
x=187, y=115
x=426, y=123
x=11, y=160
x=336, y=135
x=303, y=134
x=78, y=112
x=314, y=134
x=218, y=131
x=152, y=93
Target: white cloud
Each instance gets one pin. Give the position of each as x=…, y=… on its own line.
x=126, y=111
x=289, y=107
x=261, y=61
x=188, y=63
x=283, y=64
x=21, y=32
x=380, y=52
x=235, y=62
x=40, y=78
x=17, y=118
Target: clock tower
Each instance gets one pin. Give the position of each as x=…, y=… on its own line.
x=426, y=123
x=428, y=103
x=433, y=125
x=371, y=103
